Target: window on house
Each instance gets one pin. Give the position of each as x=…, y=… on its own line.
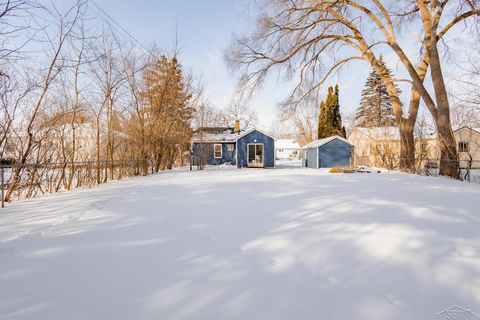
x=230, y=147
x=463, y=147
x=217, y=151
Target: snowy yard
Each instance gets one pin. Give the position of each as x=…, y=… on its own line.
x=244, y=244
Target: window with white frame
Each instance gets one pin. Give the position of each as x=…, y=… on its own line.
x=230, y=147
x=463, y=146
x=217, y=151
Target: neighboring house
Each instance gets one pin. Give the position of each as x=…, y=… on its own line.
x=287, y=149
x=250, y=148
x=381, y=146
x=329, y=152
x=468, y=145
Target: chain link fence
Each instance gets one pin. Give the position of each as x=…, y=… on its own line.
x=30, y=180
x=469, y=169
x=19, y=181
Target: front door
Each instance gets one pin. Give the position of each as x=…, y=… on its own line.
x=255, y=155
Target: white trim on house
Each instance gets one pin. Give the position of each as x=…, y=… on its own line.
x=263, y=153
x=243, y=134
x=215, y=152
x=236, y=154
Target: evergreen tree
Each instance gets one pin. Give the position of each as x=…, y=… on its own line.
x=330, y=119
x=167, y=112
x=375, y=109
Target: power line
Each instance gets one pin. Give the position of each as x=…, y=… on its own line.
x=101, y=12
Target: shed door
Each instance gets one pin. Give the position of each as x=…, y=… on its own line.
x=255, y=155
x=335, y=156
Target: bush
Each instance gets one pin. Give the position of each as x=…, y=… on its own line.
x=341, y=170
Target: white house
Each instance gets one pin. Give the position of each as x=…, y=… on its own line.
x=287, y=149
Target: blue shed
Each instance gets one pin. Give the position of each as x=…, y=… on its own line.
x=329, y=152
x=246, y=149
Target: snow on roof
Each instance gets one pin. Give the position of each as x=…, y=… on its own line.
x=321, y=142
x=466, y=127
x=226, y=135
x=286, y=144
x=393, y=133
x=381, y=133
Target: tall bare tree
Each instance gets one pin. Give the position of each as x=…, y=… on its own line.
x=310, y=40
x=66, y=23
x=240, y=111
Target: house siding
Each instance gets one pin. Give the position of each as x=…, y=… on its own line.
x=471, y=137
x=256, y=137
x=335, y=153
x=227, y=156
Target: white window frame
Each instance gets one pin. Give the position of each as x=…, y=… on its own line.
x=215, y=153
x=230, y=147
x=263, y=153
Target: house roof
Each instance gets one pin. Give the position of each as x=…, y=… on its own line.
x=477, y=130
x=391, y=133
x=381, y=133
x=321, y=142
x=222, y=135
x=286, y=144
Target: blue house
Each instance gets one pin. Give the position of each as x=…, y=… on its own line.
x=329, y=152
x=245, y=149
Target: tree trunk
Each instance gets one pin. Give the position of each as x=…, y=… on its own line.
x=449, y=165
x=407, y=146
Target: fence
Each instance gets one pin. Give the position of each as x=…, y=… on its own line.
x=469, y=169
x=29, y=180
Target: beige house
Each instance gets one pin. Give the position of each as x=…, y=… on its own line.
x=468, y=146
x=380, y=147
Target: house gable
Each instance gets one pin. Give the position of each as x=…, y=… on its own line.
x=255, y=136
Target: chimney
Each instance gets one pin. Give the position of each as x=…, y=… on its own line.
x=237, y=126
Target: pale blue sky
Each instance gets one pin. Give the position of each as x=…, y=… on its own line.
x=205, y=30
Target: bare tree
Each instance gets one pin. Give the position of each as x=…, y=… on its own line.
x=13, y=27
x=310, y=40
x=66, y=23
x=240, y=111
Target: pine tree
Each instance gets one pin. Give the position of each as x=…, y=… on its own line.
x=321, y=121
x=375, y=109
x=167, y=110
x=330, y=119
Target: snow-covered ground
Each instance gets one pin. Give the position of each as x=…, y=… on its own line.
x=244, y=244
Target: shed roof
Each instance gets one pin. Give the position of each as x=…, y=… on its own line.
x=321, y=142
